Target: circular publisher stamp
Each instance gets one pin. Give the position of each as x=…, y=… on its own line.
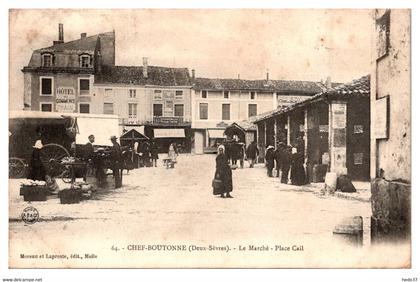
x=30, y=215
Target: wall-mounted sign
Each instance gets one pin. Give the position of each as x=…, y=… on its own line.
x=167, y=94
x=326, y=158
x=358, y=158
x=323, y=128
x=381, y=120
x=169, y=106
x=301, y=127
x=65, y=99
x=339, y=115
x=358, y=129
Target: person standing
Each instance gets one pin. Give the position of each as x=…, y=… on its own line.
x=241, y=154
x=116, y=158
x=36, y=167
x=269, y=158
x=172, y=152
x=88, y=154
x=278, y=156
x=287, y=151
x=252, y=153
x=145, y=153
x=154, y=153
x=223, y=172
x=297, y=173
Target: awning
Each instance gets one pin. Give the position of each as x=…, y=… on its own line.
x=169, y=133
x=101, y=128
x=216, y=133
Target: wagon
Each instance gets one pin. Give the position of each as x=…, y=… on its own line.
x=57, y=132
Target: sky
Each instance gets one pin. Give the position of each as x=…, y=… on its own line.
x=289, y=44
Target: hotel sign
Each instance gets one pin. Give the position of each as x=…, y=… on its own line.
x=65, y=99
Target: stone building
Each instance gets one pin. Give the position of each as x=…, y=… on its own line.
x=217, y=103
x=60, y=78
x=155, y=101
x=391, y=124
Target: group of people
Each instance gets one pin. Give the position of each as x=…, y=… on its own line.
x=146, y=153
x=286, y=159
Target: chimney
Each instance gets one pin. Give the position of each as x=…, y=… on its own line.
x=268, y=75
x=98, y=62
x=60, y=35
x=145, y=67
x=193, y=73
x=328, y=82
x=239, y=76
x=83, y=35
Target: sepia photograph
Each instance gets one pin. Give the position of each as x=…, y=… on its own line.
x=209, y=138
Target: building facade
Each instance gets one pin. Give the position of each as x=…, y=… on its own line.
x=391, y=124
x=155, y=101
x=217, y=103
x=80, y=76
x=60, y=78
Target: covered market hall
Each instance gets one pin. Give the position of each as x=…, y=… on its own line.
x=334, y=124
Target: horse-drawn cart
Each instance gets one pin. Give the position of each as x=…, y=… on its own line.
x=57, y=131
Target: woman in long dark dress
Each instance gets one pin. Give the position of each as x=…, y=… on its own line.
x=36, y=169
x=297, y=173
x=224, y=172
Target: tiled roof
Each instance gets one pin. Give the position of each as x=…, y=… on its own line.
x=134, y=75
x=246, y=124
x=261, y=85
x=82, y=44
x=357, y=88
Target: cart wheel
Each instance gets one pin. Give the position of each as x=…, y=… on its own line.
x=66, y=175
x=17, y=168
x=51, y=156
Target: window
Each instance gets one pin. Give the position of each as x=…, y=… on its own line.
x=204, y=111
x=84, y=108
x=46, y=107
x=84, y=85
x=252, y=95
x=46, y=85
x=179, y=94
x=132, y=93
x=157, y=110
x=132, y=110
x=85, y=61
x=109, y=95
x=179, y=110
x=158, y=94
x=109, y=108
x=203, y=94
x=225, y=111
x=47, y=60
x=252, y=110
x=382, y=35
x=226, y=94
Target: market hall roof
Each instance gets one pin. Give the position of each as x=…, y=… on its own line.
x=357, y=88
x=258, y=85
x=162, y=76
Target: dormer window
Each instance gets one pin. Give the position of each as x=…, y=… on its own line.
x=85, y=61
x=47, y=60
